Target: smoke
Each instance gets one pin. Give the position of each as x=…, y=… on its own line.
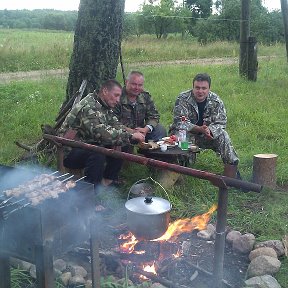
x=63, y=222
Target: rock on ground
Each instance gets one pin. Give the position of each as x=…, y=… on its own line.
x=277, y=245
x=263, y=265
x=267, y=251
x=265, y=281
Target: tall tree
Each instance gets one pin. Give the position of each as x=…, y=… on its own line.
x=97, y=43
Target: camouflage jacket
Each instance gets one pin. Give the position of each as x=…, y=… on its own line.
x=95, y=123
x=214, y=112
x=142, y=113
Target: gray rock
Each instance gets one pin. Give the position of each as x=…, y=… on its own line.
x=60, y=264
x=78, y=271
x=65, y=278
x=77, y=280
x=244, y=244
x=208, y=233
x=232, y=235
x=57, y=273
x=262, y=251
x=88, y=284
x=157, y=285
x=32, y=271
x=265, y=281
x=22, y=265
x=277, y=245
x=263, y=265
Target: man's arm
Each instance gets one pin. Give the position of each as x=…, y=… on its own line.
x=152, y=115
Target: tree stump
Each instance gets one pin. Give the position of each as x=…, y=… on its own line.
x=264, y=169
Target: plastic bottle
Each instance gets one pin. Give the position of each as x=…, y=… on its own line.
x=183, y=141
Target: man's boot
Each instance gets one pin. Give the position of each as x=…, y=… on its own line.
x=230, y=170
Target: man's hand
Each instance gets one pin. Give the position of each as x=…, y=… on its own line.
x=138, y=136
x=204, y=129
x=144, y=130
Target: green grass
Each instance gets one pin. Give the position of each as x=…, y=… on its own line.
x=257, y=123
x=24, y=50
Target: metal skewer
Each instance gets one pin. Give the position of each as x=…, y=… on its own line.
x=53, y=173
x=5, y=201
x=13, y=203
x=80, y=179
x=62, y=175
x=67, y=178
x=6, y=214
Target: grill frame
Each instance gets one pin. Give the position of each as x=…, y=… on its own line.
x=37, y=233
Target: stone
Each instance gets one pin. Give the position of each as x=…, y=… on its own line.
x=60, y=264
x=65, y=278
x=262, y=251
x=157, y=285
x=78, y=271
x=77, y=280
x=277, y=245
x=32, y=271
x=263, y=265
x=88, y=284
x=208, y=233
x=232, y=235
x=22, y=265
x=244, y=244
x=265, y=281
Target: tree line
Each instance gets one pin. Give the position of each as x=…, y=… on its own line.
x=206, y=20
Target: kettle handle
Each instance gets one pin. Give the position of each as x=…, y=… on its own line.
x=145, y=179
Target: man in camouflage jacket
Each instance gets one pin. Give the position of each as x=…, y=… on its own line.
x=206, y=120
x=93, y=121
x=137, y=110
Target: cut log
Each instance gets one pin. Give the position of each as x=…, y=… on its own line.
x=264, y=169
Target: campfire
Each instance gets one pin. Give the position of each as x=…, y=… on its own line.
x=158, y=251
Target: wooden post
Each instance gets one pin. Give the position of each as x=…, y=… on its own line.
x=284, y=8
x=244, y=34
x=252, y=59
x=264, y=169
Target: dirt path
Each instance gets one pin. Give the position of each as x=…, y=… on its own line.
x=40, y=74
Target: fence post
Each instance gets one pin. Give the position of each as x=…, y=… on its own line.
x=252, y=59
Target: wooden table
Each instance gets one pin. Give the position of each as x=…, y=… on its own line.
x=172, y=155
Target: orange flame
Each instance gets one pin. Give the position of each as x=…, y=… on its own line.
x=187, y=225
x=174, y=230
x=128, y=246
x=150, y=269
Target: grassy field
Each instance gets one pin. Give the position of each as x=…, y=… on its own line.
x=22, y=50
x=257, y=123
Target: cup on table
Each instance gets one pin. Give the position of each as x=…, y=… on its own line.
x=163, y=147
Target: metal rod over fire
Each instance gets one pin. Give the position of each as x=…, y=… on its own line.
x=217, y=180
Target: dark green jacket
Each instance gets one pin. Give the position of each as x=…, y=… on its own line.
x=141, y=114
x=95, y=123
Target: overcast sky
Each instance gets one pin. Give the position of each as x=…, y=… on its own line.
x=130, y=5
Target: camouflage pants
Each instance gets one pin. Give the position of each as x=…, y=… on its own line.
x=221, y=145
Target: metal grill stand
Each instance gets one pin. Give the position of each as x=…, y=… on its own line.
x=221, y=182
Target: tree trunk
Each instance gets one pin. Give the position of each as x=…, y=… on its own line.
x=96, y=44
x=264, y=169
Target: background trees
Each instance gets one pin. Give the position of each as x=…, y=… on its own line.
x=207, y=20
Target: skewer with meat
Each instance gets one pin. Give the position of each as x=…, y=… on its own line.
x=31, y=185
x=51, y=191
x=35, y=183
